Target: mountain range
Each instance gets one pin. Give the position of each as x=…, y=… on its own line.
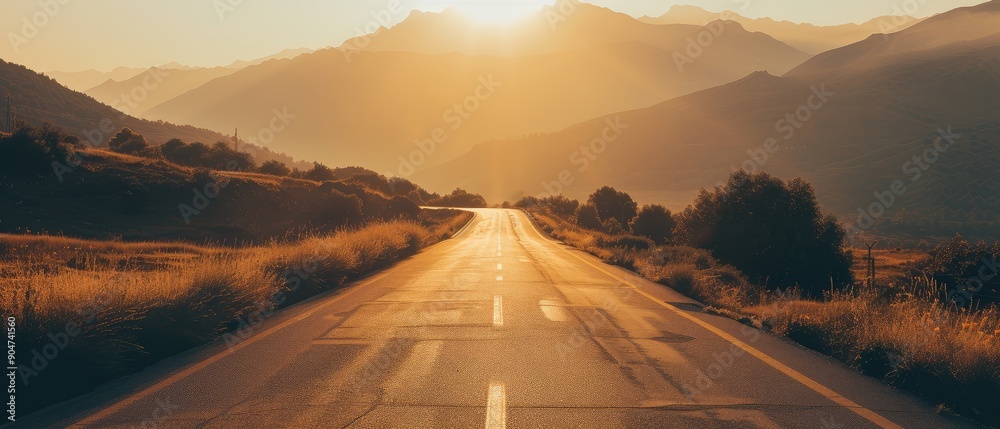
x=85, y=80
x=419, y=76
x=852, y=121
x=660, y=107
x=809, y=38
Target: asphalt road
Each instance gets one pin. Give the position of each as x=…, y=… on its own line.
x=498, y=327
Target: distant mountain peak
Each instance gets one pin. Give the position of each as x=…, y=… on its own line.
x=173, y=65
x=758, y=79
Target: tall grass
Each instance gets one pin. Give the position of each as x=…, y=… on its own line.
x=902, y=334
x=926, y=346
x=88, y=312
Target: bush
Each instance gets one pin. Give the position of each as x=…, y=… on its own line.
x=654, y=222
x=613, y=204
x=187, y=154
x=220, y=156
x=460, y=198
x=966, y=269
x=319, y=173
x=402, y=208
x=770, y=230
x=128, y=142
x=586, y=216
x=274, y=168
x=611, y=226
x=526, y=202
x=31, y=151
x=561, y=205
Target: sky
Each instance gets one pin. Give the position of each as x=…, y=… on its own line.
x=71, y=35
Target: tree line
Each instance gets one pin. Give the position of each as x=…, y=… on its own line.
x=771, y=230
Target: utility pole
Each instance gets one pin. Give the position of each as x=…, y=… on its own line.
x=870, y=264
x=236, y=140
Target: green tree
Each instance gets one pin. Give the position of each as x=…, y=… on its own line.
x=275, y=168
x=128, y=142
x=614, y=204
x=656, y=223
x=771, y=230
x=460, y=198
x=319, y=173
x=586, y=216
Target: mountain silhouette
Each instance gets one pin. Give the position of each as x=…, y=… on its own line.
x=38, y=99
x=887, y=102
x=370, y=105
x=809, y=38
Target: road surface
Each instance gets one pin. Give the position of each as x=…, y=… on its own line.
x=498, y=327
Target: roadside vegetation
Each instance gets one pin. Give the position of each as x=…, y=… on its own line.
x=759, y=250
x=459, y=198
x=123, y=257
x=92, y=311
x=51, y=184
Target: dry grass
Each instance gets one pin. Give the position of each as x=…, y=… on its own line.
x=123, y=306
x=948, y=355
x=899, y=333
x=890, y=264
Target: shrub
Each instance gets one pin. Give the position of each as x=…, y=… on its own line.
x=611, y=226
x=586, y=216
x=965, y=269
x=31, y=151
x=770, y=230
x=274, y=168
x=680, y=278
x=187, y=154
x=613, y=204
x=319, y=173
x=128, y=142
x=561, y=205
x=460, y=198
x=401, y=207
x=655, y=222
x=527, y=202
x=220, y=156
x=624, y=241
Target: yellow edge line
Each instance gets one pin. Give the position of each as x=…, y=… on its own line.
x=770, y=361
x=118, y=406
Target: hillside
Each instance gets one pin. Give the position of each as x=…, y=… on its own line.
x=111, y=195
x=38, y=99
x=975, y=26
x=361, y=107
x=877, y=118
x=808, y=38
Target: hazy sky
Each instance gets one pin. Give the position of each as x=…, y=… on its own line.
x=103, y=34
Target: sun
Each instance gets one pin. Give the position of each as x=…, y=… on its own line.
x=492, y=11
